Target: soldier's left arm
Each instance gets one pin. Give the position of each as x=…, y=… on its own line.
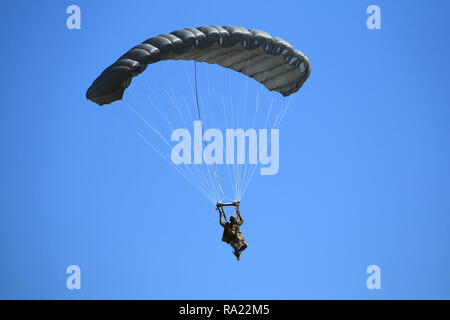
x=239, y=216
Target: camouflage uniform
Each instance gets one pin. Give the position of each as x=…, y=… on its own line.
x=232, y=234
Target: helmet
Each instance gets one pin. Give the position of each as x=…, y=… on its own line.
x=233, y=219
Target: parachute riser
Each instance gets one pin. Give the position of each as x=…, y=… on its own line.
x=220, y=206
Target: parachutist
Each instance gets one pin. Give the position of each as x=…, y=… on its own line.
x=232, y=233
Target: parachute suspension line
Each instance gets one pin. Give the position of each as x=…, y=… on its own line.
x=282, y=113
x=195, y=177
x=207, y=170
x=230, y=89
x=241, y=172
x=247, y=177
x=126, y=122
x=174, y=103
x=228, y=167
x=204, y=173
x=196, y=91
x=210, y=114
x=191, y=179
x=178, y=169
x=279, y=117
x=265, y=126
x=200, y=119
x=201, y=175
x=209, y=98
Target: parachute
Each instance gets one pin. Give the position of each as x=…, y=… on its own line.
x=271, y=61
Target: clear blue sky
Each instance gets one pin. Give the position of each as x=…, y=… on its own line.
x=364, y=172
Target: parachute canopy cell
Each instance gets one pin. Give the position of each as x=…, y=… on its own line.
x=269, y=60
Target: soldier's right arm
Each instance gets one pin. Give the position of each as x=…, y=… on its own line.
x=220, y=214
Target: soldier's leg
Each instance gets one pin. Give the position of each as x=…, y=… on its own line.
x=243, y=247
x=236, y=249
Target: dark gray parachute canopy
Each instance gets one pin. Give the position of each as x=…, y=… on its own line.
x=269, y=60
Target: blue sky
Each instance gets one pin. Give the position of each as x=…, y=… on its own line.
x=364, y=160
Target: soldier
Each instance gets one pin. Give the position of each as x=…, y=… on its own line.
x=232, y=233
